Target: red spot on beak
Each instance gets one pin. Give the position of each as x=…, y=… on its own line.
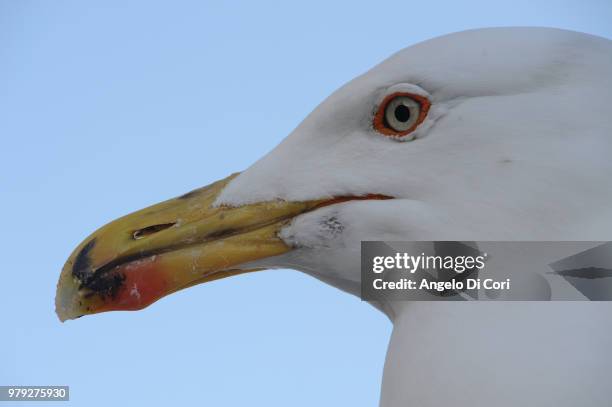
x=144, y=284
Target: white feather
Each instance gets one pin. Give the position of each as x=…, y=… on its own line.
x=516, y=147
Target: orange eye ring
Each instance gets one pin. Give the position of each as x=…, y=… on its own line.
x=380, y=122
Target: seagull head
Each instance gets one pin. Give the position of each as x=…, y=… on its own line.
x=491, y=134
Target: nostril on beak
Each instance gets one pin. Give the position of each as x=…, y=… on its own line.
x=149, y=230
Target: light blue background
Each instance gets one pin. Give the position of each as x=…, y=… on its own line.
x=107, y=107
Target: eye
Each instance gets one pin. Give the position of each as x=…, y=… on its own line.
x=400, y=113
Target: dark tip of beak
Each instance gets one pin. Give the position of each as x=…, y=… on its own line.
x=149, y=230
x=82, y=262
x=96, y=281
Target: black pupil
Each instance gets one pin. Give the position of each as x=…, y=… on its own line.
x=402, y=113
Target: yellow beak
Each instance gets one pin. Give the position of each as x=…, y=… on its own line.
x=139, y=258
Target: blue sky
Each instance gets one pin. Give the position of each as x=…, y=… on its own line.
x=109, y=106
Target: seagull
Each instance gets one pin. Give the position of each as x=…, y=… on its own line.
x=487, y=134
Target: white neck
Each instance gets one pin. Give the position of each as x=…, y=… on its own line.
x=499, y=354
